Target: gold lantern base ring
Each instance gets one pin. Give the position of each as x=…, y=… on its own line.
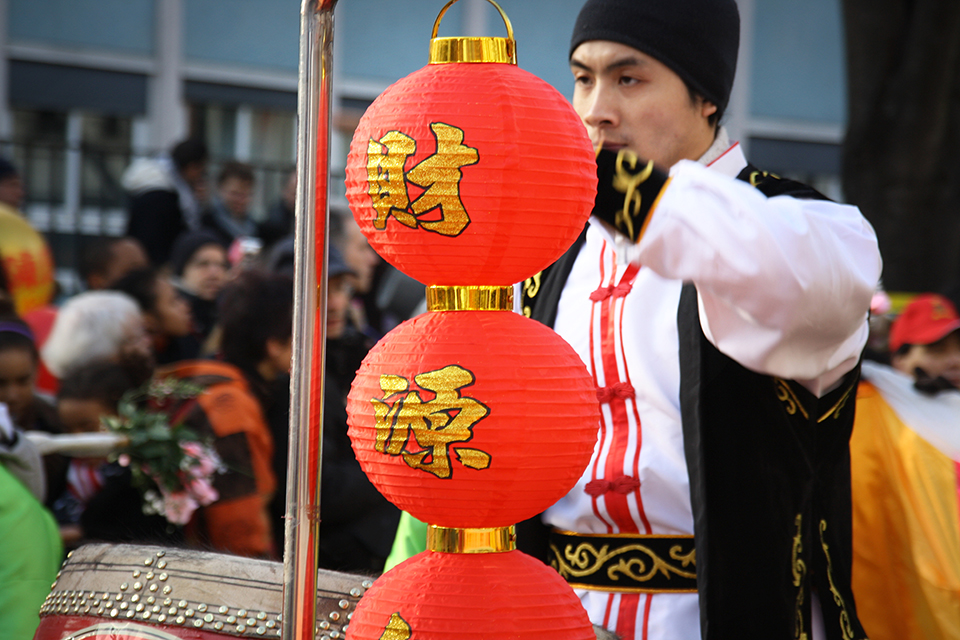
x=456, y=540
x=441, y=298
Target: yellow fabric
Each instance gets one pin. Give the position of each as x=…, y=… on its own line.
x=906, y=528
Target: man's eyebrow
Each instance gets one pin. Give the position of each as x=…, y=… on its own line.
x=619, y=63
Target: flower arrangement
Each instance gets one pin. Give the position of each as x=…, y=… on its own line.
x=172, y=466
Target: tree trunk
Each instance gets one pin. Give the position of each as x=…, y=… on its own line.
x=901, y=160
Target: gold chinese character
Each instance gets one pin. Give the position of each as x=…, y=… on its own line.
x=438, y=175
x=386, y=184
x=423, y=432
x=397, y=629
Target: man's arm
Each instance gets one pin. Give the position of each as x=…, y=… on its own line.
x=784, y=284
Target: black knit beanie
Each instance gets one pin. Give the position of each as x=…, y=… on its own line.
x=697, y=39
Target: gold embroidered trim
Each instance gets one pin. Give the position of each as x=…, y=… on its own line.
x=531, y=287
x=441, y=298
x=586, y=559
x=786, y=395
x=799, y=569
x=456, y=540
x=835, y=409
x=845, y=627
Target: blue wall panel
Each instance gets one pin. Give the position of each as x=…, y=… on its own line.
x=262, y=33
x=121, y=25
x=389, y=39
x=798, y=61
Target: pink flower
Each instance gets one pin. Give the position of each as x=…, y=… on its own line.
x=178, y=507
x=207, y=460
x=203, y=491
x=192, y=449
x=124, y=460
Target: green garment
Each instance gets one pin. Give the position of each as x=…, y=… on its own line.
x=30, y=557
x=411, y=539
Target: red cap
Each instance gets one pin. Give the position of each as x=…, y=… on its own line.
x=929, y=317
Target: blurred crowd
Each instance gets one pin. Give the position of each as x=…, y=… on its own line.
x=199, y=290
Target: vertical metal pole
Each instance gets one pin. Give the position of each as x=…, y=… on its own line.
x=309, y=331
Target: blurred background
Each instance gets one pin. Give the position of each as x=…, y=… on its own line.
x=88, y=85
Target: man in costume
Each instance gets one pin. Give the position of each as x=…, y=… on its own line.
x=722, y=312
x=905, y=462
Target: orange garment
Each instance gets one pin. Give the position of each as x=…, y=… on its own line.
x=906, y=527
x=238, y=522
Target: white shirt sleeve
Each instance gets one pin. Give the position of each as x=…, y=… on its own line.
x=784, y=284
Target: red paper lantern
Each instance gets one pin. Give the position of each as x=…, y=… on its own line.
x=471, y=174
x=473, y=418
x=438, y=596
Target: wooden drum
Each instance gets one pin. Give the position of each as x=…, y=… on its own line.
x=138, y=592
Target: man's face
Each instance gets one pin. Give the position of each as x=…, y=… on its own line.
x=941, y=358
x=206, y=272
x=236, y=193
x=628, y=99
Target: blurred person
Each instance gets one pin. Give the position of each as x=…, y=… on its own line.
x=99, y=501
x=199, y=261
x=25, y=409
x=346, y=236
x=106, y=260
x=166, y=314
x=228, y=215
x=163, y=200
x=279, y=221
x=12, y=192
x=19, y=359
x=99, y=325
x=357, y=523
x=905, y=469
x=244, y=391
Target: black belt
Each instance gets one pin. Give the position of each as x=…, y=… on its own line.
x=626, y=562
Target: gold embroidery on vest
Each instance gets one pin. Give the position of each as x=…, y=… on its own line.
x=835, y=409
x=531, y=287
x=757, y=176
x=790, y=400
x=845, y=627
x=799, y=568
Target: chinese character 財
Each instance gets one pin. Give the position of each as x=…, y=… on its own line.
x=438, y=175
x=423, y=432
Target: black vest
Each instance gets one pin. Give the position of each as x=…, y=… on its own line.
x=769, y=467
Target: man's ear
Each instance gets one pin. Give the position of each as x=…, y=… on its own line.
x=707, y=109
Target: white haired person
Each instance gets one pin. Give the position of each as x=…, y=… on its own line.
x=99, y=325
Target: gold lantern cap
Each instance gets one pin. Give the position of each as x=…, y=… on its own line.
x=462, y=49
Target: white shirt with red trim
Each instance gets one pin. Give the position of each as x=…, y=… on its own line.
x=784, y=287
